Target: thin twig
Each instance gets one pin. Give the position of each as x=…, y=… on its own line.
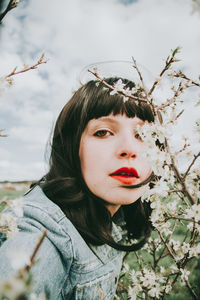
x=140, y=76
x=175, y=191
x=12, y=4
x=183, y=219
x=191, y=198
x=154, y=256
x=169, y=237
x=192, y=292
x=189, y=167
x=39, y=62
x=119, y=92
x=139, y=261
x=181, y=75
x=173, y=99
x=164, y=292
x=178, y=175
x=32, y=259
x=167, y=245
x=168, y=63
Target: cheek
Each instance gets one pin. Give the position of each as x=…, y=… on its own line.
x=88, y=159
x=92, y=153
x=93, y=166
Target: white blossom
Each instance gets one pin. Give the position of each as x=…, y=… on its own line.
x=155, y=291
x=185, y=247
x=134, y=275
x=193, y=212
x=172, y=207
x=133, y=291
x=161, y=188
x=194, y=251
x=41, y=296
x=148, y=278
x=168, y=288
x=184, y=274
x=13, y=288
x=173, y=269
x=8, y=221
x=190, y=226
x=175, y=244
x=118, y=87
x=162, y=269
x=165, y=228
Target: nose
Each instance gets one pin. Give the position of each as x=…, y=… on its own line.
x=128, y=148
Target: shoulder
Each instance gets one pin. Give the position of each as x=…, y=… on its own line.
x=55, y=255
x=38, y=207
x=40, y=213
x=36, y=201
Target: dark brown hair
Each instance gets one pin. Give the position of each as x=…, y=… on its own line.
x=64, y=184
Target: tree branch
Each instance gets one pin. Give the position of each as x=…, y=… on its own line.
x=168, y=63
x=181, y=75
x=39, y=62
x=192, y=292
x=192, y=163
x=140, y=76
x=112, y=88
x=12, y=4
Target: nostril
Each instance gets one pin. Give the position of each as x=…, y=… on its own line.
x=123, y=154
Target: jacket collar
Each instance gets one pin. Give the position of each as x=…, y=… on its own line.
x=105, y=252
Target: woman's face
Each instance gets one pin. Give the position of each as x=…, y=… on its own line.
x=111, y=159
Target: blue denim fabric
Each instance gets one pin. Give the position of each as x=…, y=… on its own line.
x=67, y=267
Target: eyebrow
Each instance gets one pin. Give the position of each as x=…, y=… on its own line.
x=107, y=119
x=113, y=120
x=100, y=120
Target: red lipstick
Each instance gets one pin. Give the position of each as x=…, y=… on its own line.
x=125, y=175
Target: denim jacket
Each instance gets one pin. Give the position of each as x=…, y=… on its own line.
x=67, y=267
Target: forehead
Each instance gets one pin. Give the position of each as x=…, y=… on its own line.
x=115, y=120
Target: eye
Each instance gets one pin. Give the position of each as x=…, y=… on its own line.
x=138, y=137
x=102, y=133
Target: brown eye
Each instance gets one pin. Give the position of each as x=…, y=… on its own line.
x=102, y=133
x=138, y=137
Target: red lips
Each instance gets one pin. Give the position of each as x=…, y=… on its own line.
x=125, y=175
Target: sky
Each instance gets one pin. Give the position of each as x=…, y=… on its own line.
x=73, y=34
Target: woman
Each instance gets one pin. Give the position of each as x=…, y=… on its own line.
x=89, y=201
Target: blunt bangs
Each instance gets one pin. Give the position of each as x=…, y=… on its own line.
x=99, y=103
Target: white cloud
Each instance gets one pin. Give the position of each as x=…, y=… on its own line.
x=73, y=34
x=20, y=172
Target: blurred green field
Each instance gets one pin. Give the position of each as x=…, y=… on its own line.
x=10, y=194
x=13, y=190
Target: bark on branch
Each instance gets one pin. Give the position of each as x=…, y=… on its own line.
x=12, y=4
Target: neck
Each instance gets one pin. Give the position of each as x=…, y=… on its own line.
x=112, y=208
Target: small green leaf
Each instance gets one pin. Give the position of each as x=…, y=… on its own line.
x=175, y=51
x=2, y=206
x=180, y=113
